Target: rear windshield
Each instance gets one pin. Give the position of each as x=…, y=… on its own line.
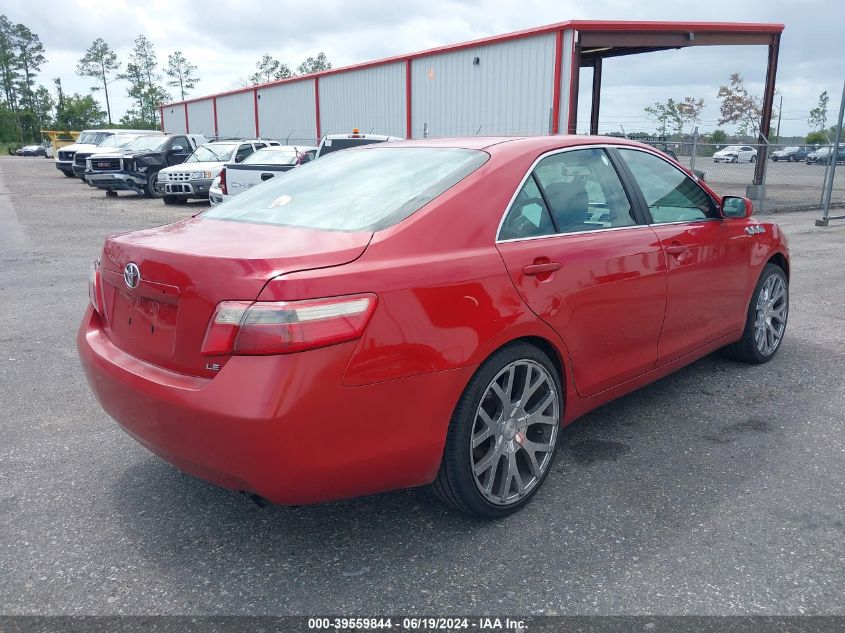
x=271, y=157
x=358, y=190
x=213, y=153
x=335, y=144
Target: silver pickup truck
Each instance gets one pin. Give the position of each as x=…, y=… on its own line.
x=263, y=165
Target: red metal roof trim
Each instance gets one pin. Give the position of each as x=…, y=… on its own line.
x=579, y=25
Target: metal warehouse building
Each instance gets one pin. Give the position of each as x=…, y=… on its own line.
x=518, y=83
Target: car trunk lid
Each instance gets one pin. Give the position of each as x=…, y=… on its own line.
x=184, y=270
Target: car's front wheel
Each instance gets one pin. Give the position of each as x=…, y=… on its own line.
x=503, y=434
x=765, y=321
x=150, y=189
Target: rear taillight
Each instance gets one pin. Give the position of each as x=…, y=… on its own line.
x=94, y=286
x=282, y=327
x=223, y=182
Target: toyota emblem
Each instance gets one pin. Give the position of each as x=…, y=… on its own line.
x=131, y=275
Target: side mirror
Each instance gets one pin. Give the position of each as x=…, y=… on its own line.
x=736, y=207
x=176, y=149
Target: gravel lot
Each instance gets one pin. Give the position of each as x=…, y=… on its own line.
x=718, y=490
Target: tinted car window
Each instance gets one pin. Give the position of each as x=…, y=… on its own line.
x=583, y=191
x=335, y=144
x=528, y=216
x=670, y=194
x=353, y=191
x=243, y=152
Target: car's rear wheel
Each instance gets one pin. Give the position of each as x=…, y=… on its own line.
x=753, y=159
x=503, y=434
x=734, y=159
x=150, y=190
x=765, y=322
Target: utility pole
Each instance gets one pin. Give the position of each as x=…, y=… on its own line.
x=780, y=112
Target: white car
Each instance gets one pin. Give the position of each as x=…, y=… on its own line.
x=193, y=178
x=88, y=141
x=736, y=154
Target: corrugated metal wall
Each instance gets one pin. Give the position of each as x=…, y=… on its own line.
x=509, y=91
x=201, y=117
x=288, y=112
x=174, y=118
x=371, y=99
x=236, y=115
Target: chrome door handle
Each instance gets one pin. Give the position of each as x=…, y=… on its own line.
x=677, y=250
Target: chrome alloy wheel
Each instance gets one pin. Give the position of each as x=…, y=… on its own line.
x=514, y=432
x=772, y=309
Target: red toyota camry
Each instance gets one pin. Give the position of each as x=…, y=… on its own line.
x=423, y=312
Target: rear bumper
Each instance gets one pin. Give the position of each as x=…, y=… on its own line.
x=283, y=427
x=115, y=181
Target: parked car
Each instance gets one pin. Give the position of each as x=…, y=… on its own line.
x=736, y=154
x=111, y=143
x=31, y=150
x=88, y=141
x=822, y=156
x=335, y=142
x=192, y=179
x=423, y=312
x=791, y=154
x=135, y=167
x=257, y=168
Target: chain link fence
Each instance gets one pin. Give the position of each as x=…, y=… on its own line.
x=794, y=177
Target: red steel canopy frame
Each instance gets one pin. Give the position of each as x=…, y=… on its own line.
x=578, y=44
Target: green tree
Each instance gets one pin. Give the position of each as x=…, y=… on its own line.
x=818, y=137
x=30, y=54
x=10, y=73
x=818, y=115
x=100, y=63
x=269, y=69
x=665, y=115
x=314, y=64
x=144, y=84
x=182, y=73
x=718, y=137
x=77, y=112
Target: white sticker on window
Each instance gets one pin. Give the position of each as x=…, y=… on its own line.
x=328, y=142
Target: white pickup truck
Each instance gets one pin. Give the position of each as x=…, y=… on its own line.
x=261, y=166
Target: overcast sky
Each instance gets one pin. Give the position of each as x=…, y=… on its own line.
x=225, y=38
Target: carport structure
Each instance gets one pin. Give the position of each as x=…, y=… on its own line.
x=592, y=42
x=526, y=82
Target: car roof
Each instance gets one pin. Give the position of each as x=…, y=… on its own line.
x=528, y=143
x=287, y=148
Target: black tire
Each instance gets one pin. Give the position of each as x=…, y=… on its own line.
x=111, y=194
x=753, y=159
x=69, y=174
x=735, y=159
x=174, y=200
x=455, y=484
x=150, y=187
x=745, y=349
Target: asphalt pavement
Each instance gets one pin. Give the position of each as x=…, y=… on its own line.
x=717, y=490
